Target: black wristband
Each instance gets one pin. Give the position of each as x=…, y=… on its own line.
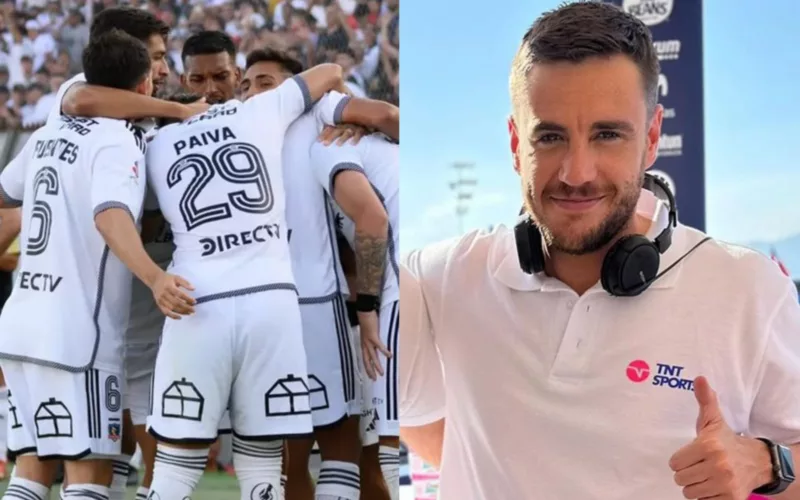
x=367, y=303
x=352, y=314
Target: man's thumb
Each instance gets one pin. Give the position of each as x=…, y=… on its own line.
x=707, y=402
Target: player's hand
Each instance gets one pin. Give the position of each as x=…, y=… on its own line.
x=195, y=108
x=371, y=345
x=719, y=463
x=341, y=134
x=169, y=294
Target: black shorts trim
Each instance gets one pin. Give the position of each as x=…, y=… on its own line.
x=273, y=437
x=167, y=440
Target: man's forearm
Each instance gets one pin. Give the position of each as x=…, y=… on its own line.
x=371, y=242
x=118, y=230
x=793, y=492
x=94, y=101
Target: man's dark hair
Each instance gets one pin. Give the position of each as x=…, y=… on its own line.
x=116, y=59
x=138, y=23
x=287, y=62
x=578, y=31
x=182, y=97
x=208, y=42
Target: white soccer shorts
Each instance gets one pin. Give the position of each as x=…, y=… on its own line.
x=384, y=390
x=244, y=352
x=59, y=414
x=369, y=414
x=331, y=359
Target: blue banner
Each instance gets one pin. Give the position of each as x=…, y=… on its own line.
x=677, y=27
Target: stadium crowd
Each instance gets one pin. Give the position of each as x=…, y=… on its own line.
x=41, y=42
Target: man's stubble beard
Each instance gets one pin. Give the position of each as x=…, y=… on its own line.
x=597, y=237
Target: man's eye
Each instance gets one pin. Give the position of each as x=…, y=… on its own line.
x=548, y=138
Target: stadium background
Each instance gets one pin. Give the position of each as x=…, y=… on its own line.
x=41, y=43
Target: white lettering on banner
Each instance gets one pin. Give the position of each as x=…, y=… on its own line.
x=650, y=12
x=666, y=178
x=663, y=85
x=668, y=50
x=670, y=145
x=669, y=113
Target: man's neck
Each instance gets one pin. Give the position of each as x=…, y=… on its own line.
x=582, y=272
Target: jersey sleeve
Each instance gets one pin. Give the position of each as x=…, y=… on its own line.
x=12, y=179
x=421, y=378
x=329, y=109
x=118, y=179
x=328, y=161
x=281, y=106
x=55, y=111
x=776, y=411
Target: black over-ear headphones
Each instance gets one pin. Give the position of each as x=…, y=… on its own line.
x=631, y=264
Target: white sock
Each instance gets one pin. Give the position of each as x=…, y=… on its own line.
x=136, y=459
x=25, y=489
x=389, y=459
x=177, y=471
x=61, y=491
x=86, y=492
x=119, y=482
x=141, y=493
x=282, y=494
x=338, y=481
x=258, y=467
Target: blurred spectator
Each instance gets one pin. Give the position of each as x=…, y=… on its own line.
x=41, y=42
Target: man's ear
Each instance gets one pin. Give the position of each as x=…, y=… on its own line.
x=512, y=132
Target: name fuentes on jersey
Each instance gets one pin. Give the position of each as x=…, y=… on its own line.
x=61, y=148
x=225, y=242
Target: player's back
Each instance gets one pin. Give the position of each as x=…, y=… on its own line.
x=219, y=184
x=70, y=289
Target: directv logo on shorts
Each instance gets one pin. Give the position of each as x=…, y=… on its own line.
x=666, y=375
x=650, y=12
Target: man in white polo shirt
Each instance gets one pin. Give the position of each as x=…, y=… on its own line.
x=601, y=349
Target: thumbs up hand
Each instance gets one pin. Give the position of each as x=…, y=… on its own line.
x=718, y=463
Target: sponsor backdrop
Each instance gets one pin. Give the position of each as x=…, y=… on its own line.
x=677, y=27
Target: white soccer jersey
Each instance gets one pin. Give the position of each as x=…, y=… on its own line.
x=379, y=160
x=312, y=239
x=55, y=112
x=218, y=181
x=69, y=307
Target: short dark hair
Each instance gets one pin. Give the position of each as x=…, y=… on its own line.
x=578, y=31
x=287, y=62
x=208, y=42
x=138, y=23
x=182, y=97
x=116, y=59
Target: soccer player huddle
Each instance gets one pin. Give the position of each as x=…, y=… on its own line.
x=204, y=264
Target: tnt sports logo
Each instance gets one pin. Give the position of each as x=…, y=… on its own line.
x=639, y=371
x=650, y=12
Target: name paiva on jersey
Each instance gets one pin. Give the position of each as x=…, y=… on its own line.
x=225, y=242
x=65, y=151
x=204, y=139
x=38, y=282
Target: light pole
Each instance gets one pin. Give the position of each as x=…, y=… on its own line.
x=463, y=187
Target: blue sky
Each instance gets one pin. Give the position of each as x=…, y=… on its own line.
x=455, y=64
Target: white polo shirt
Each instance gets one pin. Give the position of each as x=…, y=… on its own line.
x=551, y=395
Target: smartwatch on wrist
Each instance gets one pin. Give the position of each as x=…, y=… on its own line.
x=367, y=303
x=782, y=469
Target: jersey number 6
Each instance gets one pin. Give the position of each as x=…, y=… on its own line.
x=47, y=178
x=251, y=171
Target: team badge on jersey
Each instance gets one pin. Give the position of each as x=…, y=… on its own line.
x=114, y=431
x=263, y=491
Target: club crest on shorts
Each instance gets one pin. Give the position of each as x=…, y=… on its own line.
x=263, y=491
x=287, y=396
x=114, y=431
x=53, y=419
x=182, y=400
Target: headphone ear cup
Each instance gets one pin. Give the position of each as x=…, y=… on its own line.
x=629, y=267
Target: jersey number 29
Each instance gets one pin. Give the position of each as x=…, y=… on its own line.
x=252, y=171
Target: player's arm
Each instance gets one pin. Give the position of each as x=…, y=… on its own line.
x=10, y=224
x=336, y=108
x=117, y=194
x=339, y=169
x=421, y=380
x=348, y=260
x=12, y=179
x=82, y=99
